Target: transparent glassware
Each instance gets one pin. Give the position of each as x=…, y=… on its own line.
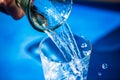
x=46, y=14
x=49, y=16
x=55, y=66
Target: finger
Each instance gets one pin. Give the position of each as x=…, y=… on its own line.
x=14, y=10
x=1, y=1
x=10, y=7
x=3, y=10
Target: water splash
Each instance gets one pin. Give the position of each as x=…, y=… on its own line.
x=83, y=45
x=64, y=40
x=75, y=69
x=104, y=66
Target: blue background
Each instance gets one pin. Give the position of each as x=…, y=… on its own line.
x=100, y=26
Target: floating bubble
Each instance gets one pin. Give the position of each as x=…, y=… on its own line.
x=104, y=66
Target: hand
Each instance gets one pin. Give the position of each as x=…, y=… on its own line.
x=9, y=7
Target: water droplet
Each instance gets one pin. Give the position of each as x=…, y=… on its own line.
x=104, y=66
x=83, y=45
x=99, y=74
x=87, y=53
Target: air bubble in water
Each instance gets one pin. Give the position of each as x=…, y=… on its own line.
x=104, y=66
x=83, y=45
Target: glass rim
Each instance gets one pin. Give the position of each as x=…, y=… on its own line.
x=86, y=56
x=53, y=27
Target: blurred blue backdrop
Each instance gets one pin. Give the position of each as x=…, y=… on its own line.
x=19, y=58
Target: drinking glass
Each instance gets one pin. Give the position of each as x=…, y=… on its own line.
x=55, y=66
